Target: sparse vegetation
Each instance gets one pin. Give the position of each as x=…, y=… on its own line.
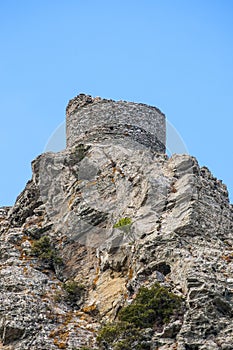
x=152, y=307
x=74, y=291
x=43, y=249
x=81, y=151
x=123, y=222
x=123, y=336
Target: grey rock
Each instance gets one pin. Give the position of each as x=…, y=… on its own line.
x=180, y=236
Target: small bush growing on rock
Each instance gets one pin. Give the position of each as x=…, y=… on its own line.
x=123, y=222
x=152, y=307
x=122, y=336
x=43, y=249
x=74, y=291
x=109, y=332
x=81, y=151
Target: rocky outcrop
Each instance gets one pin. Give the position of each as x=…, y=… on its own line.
x=98, y=222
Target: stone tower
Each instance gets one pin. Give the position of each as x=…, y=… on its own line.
x=95, y=119
x=97, y=224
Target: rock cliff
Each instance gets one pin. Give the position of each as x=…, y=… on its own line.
x=113, y=245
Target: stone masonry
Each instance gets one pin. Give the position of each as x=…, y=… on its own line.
x=98, y=119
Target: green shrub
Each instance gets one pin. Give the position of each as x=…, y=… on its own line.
x=152, y=307
x=123, y=222
x=43, y=249
x=81, y=151
x=74, y=291
x=109, y=332
x=122, y=336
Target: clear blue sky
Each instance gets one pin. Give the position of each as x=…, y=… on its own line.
x=176, y=55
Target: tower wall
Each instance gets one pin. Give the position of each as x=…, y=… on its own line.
x=96, y=118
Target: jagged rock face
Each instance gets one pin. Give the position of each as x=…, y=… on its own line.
x=68, y=265
x=181, y=236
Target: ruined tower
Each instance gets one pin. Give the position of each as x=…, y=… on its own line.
x=103, y=221
x=95, y=119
